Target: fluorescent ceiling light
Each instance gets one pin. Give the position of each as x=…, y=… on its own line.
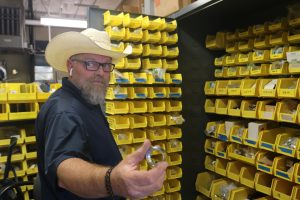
x=64, y=22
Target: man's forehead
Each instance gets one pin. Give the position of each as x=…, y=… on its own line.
x=91, y=56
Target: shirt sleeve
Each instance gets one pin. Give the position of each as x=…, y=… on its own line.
x=65, y=138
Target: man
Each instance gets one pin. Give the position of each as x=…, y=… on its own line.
x=77, y=155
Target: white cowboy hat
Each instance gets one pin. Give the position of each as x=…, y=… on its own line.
x=67, y=44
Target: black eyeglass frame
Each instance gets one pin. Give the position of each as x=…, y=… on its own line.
x=87, y=62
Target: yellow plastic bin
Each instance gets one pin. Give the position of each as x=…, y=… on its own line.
x=156, y=120
x=283, y=145
x=217, y=189
x=294, y=21
x=169, y=25
x=232, y=72
x=296, y=192
x=118, y=46
x=4, y=108
x=137, y=121
x=221, y=106
x=173, y=92
x=117, y=77
x=262, y=42
x=249, y=108
x=20, y=111
x=260, y=29
x=170, y=52
x=137, y=49
x=234, y=87
x=138, y=92
x=133, y=35
x=244, y=58
x=231, y=60
x=220, y=61
x=157, y=134
x=268, y=88
x=221, y=87
x=247, y=175
x=116, y=93
x=278, y=25
x=267, y=139
x=151, y=23
x=279, y=53
x=174, y=145
x=132, y=63
x=174, y=132
x=211, y=128
x=231, y=36
x=246, y=45
x=221, y=132
x=237, y=133
x=209, y=162
x=288, y=87
x=259, y=70
x=245, y=33
x=279, y=38
x=204, y=182
x=115, y=33
x=118, y=122
x=232, y=47
x=234, y=107
x=20, y=92
x=157, y=92
x=125, y=150
x=250, y=87
x=282, y=189
x=122, y=137
x=138, y=78
x=283, y=171
x=267, y=109
x=263, y=183
x=175, y=79
x=168, y=39
x=233, y=170
x=210, y=106
x=260, y=56
x=173, y=106
x=156, y=106
x=219, y=72
x=152, y=50
x=221, y=149
x=233, y=148
x=220, y=166
x=280, y=67
x=294, y=36
x=209, y=146
x=297, y=173
x=174, y=159
x=120, y=64
x=132, y=22
x=113, y=19
x=172, y=185
x=43, y=96
x=137, y=106
x=174, y=172
x=287, y=111
x=265, y=162
x=215, y=42
x=151, y=63
x=151, y=37
x=117, y=107
x=170, y=65
x=138, y=135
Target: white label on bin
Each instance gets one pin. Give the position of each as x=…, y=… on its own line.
x=293, y=57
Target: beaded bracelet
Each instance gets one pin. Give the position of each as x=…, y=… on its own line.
x=108, y=183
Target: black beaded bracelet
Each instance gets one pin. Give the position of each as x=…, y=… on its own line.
x=108, y=183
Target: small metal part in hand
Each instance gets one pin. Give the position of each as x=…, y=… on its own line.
x=149, y=159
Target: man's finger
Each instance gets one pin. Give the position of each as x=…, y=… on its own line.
x=139, y=154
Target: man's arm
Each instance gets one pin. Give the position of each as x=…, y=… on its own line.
x=87, y=180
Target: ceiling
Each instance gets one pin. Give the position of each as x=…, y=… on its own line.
x=69, y=8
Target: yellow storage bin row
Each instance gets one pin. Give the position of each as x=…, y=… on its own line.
x=18, y=111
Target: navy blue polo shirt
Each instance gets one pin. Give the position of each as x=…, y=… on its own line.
x=68, y=127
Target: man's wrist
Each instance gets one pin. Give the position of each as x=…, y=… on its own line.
x=108, y=184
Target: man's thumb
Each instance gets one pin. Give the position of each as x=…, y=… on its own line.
x=140, y=153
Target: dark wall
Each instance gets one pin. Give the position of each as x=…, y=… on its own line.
x=196, y=66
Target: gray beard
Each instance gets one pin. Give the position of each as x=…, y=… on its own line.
x=94, y=96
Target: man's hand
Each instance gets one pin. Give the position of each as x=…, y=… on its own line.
x=128, y=181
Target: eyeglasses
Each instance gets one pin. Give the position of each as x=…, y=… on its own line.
x=91, y=65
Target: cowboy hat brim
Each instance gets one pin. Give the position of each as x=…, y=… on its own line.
x=65, y=45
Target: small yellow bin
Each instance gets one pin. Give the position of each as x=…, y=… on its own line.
x=174, y=159
x=174, y=172
x=132, y=22
x=263, y=183
x=174, y=132
x=281, y=148
x=247, y=175
x=268, y=87
x=125, y=150
x=137, y=49
x=173, y=92
x=267, y=139
x=152, y=50
x=137, y=92
x=260, y=29
x=116, y=93
x=210, y=106
x=262, y=42
x=259, y=70
x=279, y=53
x=173, y=106
x=211, y=129
x=294, y=22
x=169, y=26
x=252, y=142
x=20, y=92
x=232, y=153
x=278, y=25
x=151, y=37
x=118, y=122
x=220, y=166
x=246, y=45
x=157, y=92
x=138, y=78
x=113, y=19
x=296, y=192
x=297, y=173
x=216, y=188
x=173, y=145
x=221, y=132
x=20, y=111
x=221, y=72
x=249, y=108
x=221, y=87
x=174, y=79
x=120, y=64
x=155, y=120
x=122, y=137
x=237, y=133
x=279, y=68
x=157, y=134
x=232, y=72
x=117, y=107
x=294, y=36
x=209, y=146
x=231, y=36
x=221, y=149
x=250, y=87
x=234, y=107
x=4, y=108
x=170, y=52
x=287, y=111
x=173, y=196
x=232, y=47
x=138, y=135
x=233, y=170
x=288, y=87
x=118, y=46
x=137, y=121
x=119, y=78
x=280, y=169
x=261, y=56
x=244, y=58
x=220, y=61
x=215, y=42
x=43, y=96
x=279, y=38
x=231, y=60
x=172, y=185
x=156, y=106
x=234, y=87
x=204, y=182
x=245, y=33
x=115, y=33
x=260, y=162
x=132, y=63
x=133, y=35
x=168, y=39
x=170, y=65
x=151, y=63
x=267, y=109
x=209, y=162
x=137, y=106
x=221, y=106
x=282, y=189
x=151, y=24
